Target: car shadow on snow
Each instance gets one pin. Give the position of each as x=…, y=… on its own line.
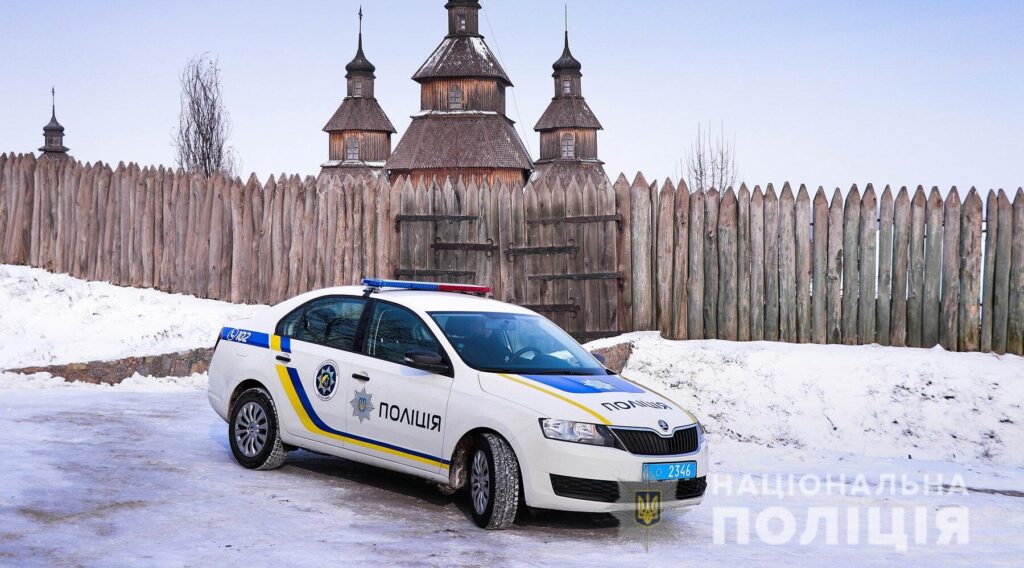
x=388, y=493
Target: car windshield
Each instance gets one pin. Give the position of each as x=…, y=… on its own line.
x=515, y=343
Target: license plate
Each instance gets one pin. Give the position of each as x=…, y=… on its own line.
x=667, y=471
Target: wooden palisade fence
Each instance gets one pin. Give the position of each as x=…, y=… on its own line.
x=904, y=268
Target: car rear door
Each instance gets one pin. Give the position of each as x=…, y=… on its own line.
x=322, y=334
x=397, y=410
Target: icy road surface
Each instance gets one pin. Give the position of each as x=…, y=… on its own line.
x=141, y=474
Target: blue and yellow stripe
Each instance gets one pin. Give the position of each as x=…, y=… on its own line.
x=313, y=423
x=257, y=339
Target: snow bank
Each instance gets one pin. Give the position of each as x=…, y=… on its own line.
x=871, y=400
x=135, y=383
x=50, y=319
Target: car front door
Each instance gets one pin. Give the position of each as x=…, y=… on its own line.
x=322, y=334
x=397, y=410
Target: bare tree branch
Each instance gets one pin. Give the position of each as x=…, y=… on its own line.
x=711, y=160
x=204, y=125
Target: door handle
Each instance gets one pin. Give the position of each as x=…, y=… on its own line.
x=360, y=376
x=284, y=358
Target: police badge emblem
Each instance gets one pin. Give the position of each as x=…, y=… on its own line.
x=362, y=405
x=326, y=380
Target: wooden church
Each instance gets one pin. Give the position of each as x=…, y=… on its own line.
x=568, y=128
x=462, y=129
x=359, y=133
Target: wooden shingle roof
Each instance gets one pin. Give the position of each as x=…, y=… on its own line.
x=462, y=56
x=466, y=139
x=359, y=113
x=568, y=112
x=565, y=170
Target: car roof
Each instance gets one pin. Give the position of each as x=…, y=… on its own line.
x=428, y=301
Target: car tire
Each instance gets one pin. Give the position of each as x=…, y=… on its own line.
x=253, y=431
x=493, y=482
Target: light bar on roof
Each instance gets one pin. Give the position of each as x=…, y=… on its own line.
x=426, y=286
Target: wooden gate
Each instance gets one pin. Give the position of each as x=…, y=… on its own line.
x=445, y=234
x=565, y=257
x=548, y=247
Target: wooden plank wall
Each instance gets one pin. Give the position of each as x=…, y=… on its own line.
x=912, y=267
x=855, y=269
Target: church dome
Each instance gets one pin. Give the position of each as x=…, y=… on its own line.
x=53, y=125
x=360, y=65
x=567, y=64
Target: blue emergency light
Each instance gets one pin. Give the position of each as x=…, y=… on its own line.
x=425, y=286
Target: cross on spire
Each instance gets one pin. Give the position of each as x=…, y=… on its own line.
x=53, y=101
x=360, y=29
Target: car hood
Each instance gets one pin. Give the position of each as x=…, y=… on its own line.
x=600, y=399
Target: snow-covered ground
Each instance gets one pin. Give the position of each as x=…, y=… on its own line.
x=141, y=473
x=870, y=400
x=130, y=475
x=52, y=319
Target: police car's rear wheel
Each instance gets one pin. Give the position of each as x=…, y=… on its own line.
x=253, y=433
x=493, y=482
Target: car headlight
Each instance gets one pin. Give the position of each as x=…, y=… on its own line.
x=579, y=432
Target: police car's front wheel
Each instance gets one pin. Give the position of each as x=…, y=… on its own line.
x=493, y=482
x=252, y=431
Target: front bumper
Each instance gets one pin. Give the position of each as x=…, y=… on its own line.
x=580, y=471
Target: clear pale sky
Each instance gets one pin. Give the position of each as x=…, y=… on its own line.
x=822, y=93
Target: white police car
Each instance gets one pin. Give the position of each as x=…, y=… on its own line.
x=431, y=380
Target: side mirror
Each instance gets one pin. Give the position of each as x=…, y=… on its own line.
x=600, y=358
x=426, y=360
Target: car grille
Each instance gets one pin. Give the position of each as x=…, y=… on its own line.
x=690, y=488
x=649, y=443
x=587, y=489
x=608, y=491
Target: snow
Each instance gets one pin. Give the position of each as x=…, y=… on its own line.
x=50, y=319
x=13, y=382
x=481, y=49
x=870, y=400
x=141, y=472
x=104, y=476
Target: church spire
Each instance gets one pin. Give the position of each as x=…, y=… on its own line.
x=360, y=28
x=53, y=132
x=567, y=65
x=359, y=132
x=568, y=128
x=360, y=65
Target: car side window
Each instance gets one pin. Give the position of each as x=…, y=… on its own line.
x=394, y=331
x=330, y=321
x=291, y=323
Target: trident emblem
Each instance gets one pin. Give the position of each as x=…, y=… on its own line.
x=648, y=507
